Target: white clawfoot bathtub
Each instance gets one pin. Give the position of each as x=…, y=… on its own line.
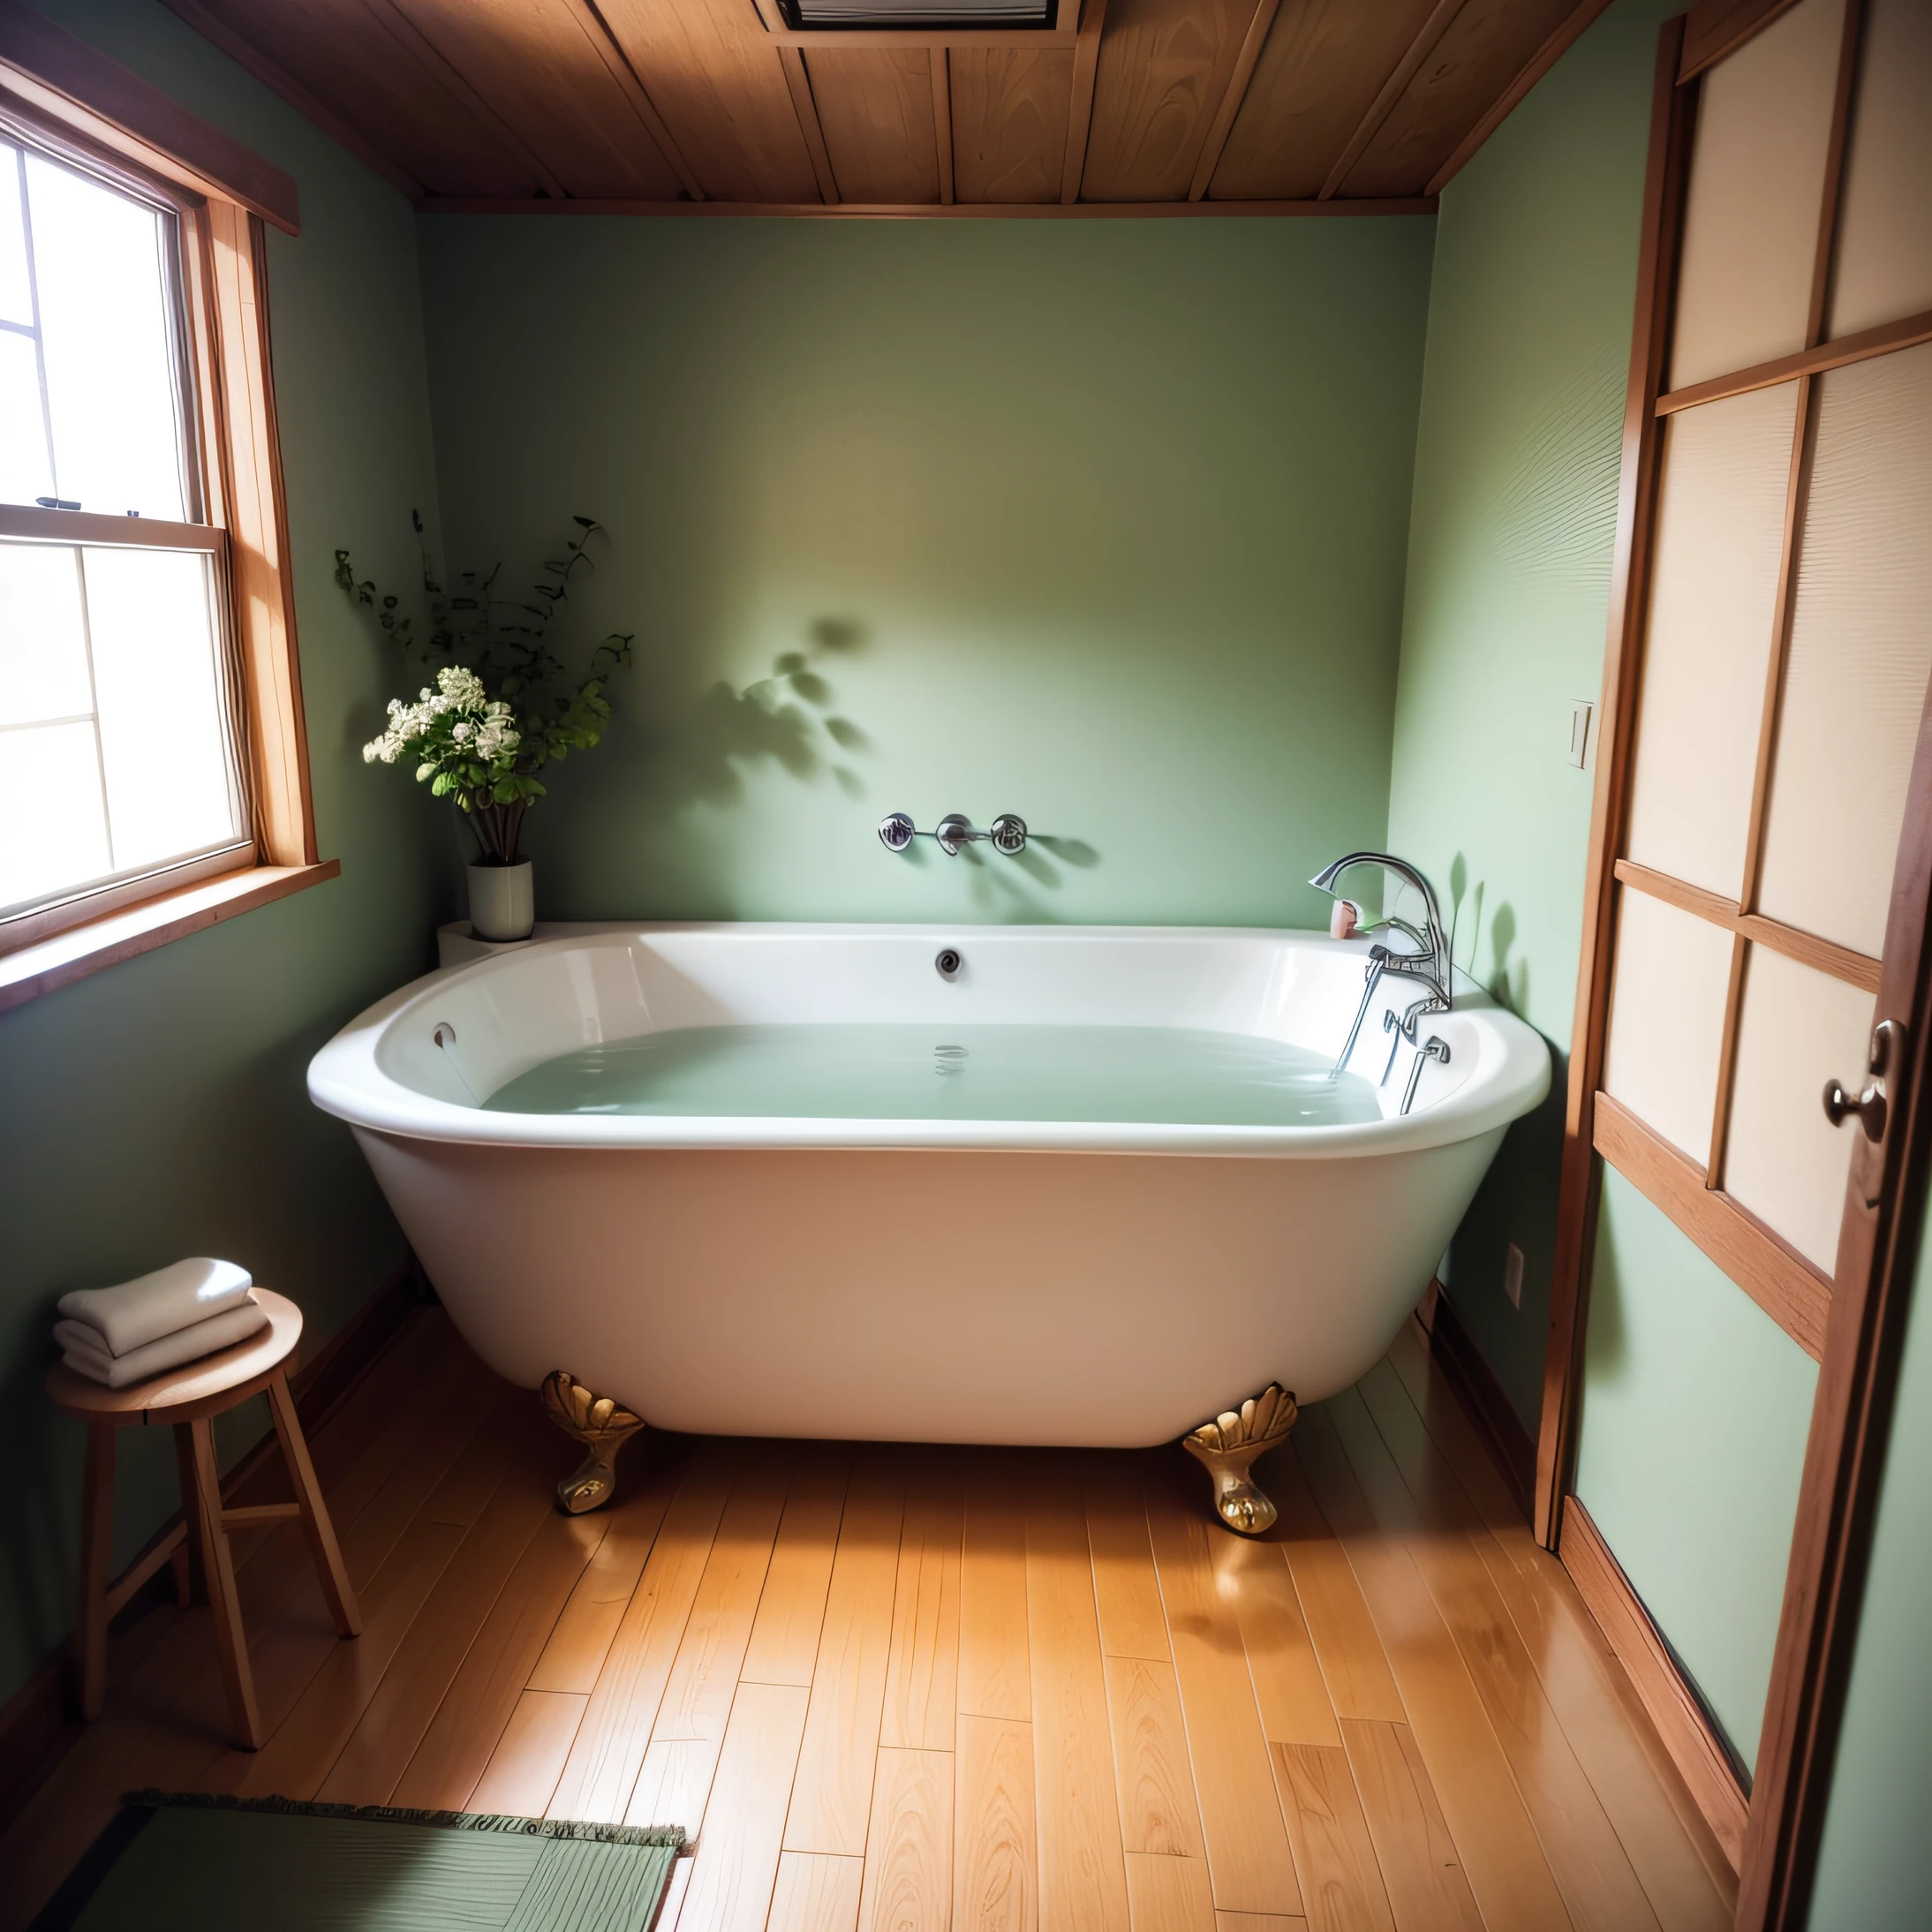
x=1106, y=1283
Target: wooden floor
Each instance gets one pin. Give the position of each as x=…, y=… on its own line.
x=915, y=1687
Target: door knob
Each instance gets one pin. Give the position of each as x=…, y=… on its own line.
x=1866, y=1107
x=1869, y=1104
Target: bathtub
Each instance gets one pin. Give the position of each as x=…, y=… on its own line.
x=1039, y=1281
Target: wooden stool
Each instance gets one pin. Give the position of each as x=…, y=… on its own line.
x=188, y=1399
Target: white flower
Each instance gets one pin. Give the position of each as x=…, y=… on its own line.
x=485, y=727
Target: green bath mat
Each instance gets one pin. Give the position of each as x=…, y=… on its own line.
x=193, y=1863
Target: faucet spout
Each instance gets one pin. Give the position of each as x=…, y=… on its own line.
x=1430, y=960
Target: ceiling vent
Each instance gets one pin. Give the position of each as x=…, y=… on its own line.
x=919, y=13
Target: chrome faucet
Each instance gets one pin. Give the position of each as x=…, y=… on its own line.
x=1429, y=961
x=955, y=832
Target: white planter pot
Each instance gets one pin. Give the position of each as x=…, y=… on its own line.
x=503, y=902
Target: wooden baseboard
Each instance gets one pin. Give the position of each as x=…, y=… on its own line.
x=1455, y=1353
x=36, y=1724
x=1681, y=1722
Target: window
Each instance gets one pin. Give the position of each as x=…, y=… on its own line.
x=118, y=755
x=154, y=771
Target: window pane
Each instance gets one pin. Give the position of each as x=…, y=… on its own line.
x=1756, y=183
x=1884, y=240
x=1720, y=533
x=24, y=473
x=1861, y=655
x=110, y=371
x=1666, y=1019
x=1785, y=1160
x=16, y=298
x=43, y=650
x=49, y=780
x=158, y=685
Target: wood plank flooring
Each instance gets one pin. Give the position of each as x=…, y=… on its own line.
x=894, y=1688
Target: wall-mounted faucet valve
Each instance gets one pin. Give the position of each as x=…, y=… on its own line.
x=954, y=833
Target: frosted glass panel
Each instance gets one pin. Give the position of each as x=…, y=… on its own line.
x=16, y=295
x=1884, y=242
x=51, y=780
x=1666, y=1019
x=1713, y=602
x=162, y=733
x=1860, y=649
x=43, y=649
x=1756, y=189
x=24, y=470
x=110, y=378
x=1784, y=1160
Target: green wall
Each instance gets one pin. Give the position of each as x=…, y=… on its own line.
x=158, y=1109
x=1874, y=1868
x=1695, y=1409
x=1101, y=522
x=1694, y=1404
x=1511, y=535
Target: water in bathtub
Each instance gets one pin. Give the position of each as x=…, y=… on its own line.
x=1182, y=1077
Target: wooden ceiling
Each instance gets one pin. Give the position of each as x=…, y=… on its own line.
x=1145, y=106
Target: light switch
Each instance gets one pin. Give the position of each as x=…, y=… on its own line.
x=1582, y=711
x=1513, y=1275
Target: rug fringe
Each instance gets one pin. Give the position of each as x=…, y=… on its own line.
x=672, y=1835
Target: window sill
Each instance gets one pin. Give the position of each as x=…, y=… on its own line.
x=51, y=963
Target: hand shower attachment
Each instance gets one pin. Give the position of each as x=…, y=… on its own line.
x=1435, y=1047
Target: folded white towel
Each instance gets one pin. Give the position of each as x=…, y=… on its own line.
x=137, y=1312
x=81, y=1349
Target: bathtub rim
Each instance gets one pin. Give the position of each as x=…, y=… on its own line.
x=345, y=1079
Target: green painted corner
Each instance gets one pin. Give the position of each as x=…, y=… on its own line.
x=1695, y=1409
x=1507, y=593
x=160, y=1108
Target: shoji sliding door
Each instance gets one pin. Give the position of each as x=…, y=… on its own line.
x=1769, y=663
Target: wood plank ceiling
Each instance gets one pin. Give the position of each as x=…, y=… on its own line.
x=1162, y=106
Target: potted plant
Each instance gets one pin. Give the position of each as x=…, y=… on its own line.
x=500, y=710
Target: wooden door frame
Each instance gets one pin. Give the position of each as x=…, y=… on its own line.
x=1885, y=1199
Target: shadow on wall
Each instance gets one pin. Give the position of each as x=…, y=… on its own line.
x=990, y=885
x=787, y=717
x=790, y=719
x=36, y=1536
x=1507, y=981
x=1517, y=1201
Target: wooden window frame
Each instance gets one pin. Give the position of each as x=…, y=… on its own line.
x=1853, y=1323
x=56, y=89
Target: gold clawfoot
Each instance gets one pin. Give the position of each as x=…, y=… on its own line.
x=1226, y=1448
x=601, y=1426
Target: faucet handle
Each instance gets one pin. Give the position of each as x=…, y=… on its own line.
x=954, y=832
